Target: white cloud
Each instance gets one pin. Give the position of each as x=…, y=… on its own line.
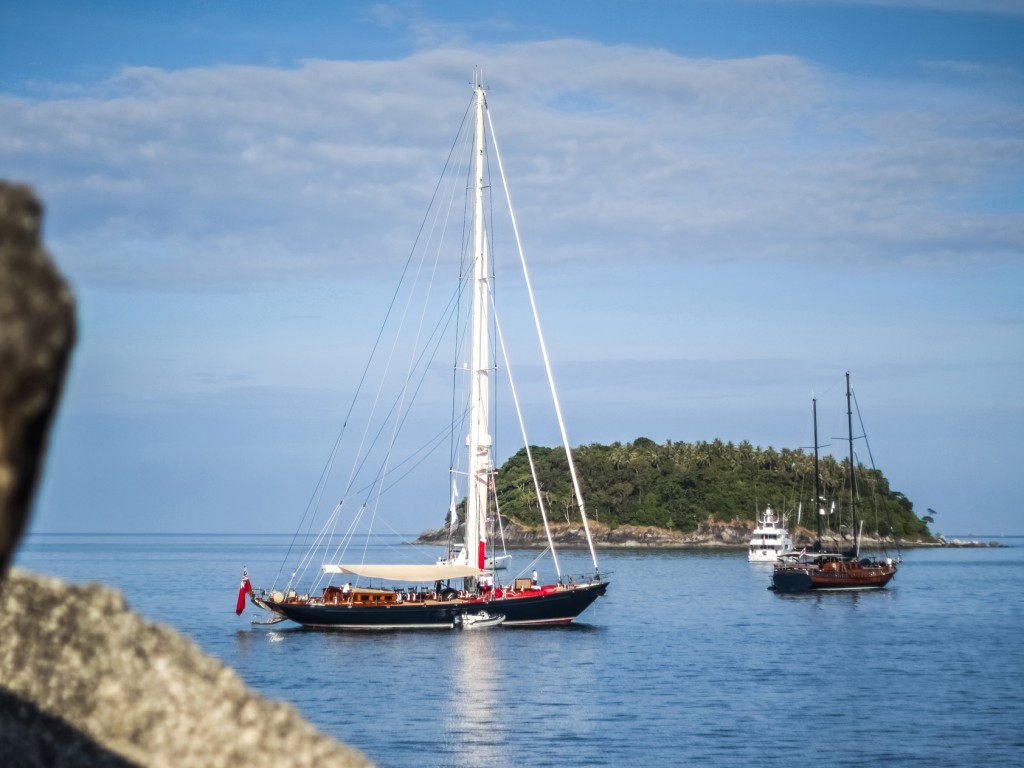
x=241, y=174
x=1008, y=7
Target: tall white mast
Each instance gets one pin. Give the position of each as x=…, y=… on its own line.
x=479, y=438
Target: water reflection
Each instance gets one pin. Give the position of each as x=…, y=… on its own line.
x=823, y=599
x=477, y=735
x=674, y=681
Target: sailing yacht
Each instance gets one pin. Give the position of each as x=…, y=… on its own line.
x=460, y=589
x=833, y=571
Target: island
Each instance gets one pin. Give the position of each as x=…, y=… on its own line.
x=700, y=494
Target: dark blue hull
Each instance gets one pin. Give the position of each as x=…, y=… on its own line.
x=529, y=609
x=402, y=616
x=547, y=608
x=791, y=581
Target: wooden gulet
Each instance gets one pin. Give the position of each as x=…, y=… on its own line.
x=834, y=571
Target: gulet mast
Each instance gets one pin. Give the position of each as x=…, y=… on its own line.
x=853, y=479
x=817, y=474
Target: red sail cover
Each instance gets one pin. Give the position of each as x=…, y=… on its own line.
x=243, y=590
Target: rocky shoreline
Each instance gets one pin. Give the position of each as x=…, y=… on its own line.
x=734, y=534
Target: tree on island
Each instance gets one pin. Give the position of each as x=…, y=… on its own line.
x=678, y=485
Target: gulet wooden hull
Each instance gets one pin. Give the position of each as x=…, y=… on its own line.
x=833, y=576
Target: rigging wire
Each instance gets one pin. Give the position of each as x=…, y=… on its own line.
x=526, y=444
x=318, y=494
x=544, y=349
x=421, y=267
x=871, y=458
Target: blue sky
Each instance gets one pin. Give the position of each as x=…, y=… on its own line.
x=729, y=205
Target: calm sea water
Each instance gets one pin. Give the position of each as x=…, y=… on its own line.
x=688, y=660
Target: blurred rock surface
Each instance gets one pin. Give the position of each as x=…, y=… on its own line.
x=83, y=680
x=37, y=333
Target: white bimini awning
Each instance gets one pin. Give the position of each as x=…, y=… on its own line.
x=420, y=573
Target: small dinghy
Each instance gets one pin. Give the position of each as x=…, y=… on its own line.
x=481, y=620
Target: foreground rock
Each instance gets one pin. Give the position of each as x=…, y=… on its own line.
x=83, y=680
x=37, y=332
x=80, y=669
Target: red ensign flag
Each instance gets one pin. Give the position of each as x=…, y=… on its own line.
x=243, y=590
